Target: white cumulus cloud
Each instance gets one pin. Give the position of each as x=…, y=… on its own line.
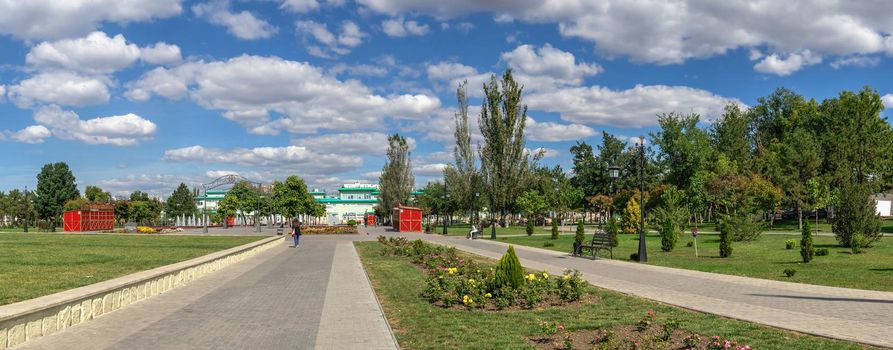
x=547, y=67
x=62, y=88
x=118, y=130
x=161, y=53
x=269, y=95
x=33, y=134
x=783, y=65
x=350, y=36
x=358, y=143
x=288, y=157
x=97, y=53
x=54, y=19
x=888, y=100
x=553, y=132
x=243, y=25
x=398, y=27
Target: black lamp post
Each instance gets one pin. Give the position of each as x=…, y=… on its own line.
x=614, y=173
x=446, y=196
x=643, y=253
x=27, y=210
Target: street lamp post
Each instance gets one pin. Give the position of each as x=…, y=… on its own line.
x=446, y=196
x=643, y=253
x=27, y=210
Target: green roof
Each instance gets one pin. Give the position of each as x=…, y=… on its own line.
x=339, y=200
x=357, y=189
x=317, y=192
x=217, y=191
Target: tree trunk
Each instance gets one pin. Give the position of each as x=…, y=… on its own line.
x=799, y=217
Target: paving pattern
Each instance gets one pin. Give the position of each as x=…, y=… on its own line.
x=842, y=313
x=275, y=300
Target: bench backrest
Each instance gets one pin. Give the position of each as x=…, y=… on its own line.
x=601, y=238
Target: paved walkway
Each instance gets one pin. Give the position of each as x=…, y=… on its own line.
x=849, y=314
x=315, y=296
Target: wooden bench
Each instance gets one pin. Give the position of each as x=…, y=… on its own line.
x=600, y=241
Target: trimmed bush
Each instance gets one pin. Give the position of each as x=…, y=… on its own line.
x=529, y=228
x=580, y=235
x=725, y=239
x=789, y=244
x=351, y=222
x=613, y=229
x=789, y=272
x=509, y=271
x=822, y=252
x=548, y=244
x=554, y=228
x=806, y=249
x=745, y=228
x=634, y=257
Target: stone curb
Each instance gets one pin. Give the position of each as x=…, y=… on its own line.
x=34, y=318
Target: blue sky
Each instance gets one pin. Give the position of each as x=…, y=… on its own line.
x=148, y=94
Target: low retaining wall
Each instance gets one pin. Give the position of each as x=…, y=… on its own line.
x=31, y=319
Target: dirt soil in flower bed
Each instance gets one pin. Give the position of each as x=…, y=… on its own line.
x=548, y=301
x=620, y=337
x=329, y=230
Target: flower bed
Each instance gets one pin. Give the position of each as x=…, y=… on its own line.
x=456, y=282
x=650, y=332
x=328, y=230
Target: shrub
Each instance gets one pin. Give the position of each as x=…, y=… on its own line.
x=529, y=227
x=580, y=235
x=632, y=216
x=669, y=234
x=509, y=271
x=670, y=326
x=806, y=249
x=571, y=286
x=857, y=242
x=548, y=244
x=789, y=244
x=554, y=228
x=855, y=215
x=613, y=229
x=822, y=252
x=634, y=257
x=789, y=272
x=690, y=244
x=725, y=239
x=744, y=227
x=351, y=222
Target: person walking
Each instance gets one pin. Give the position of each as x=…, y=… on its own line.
x=296, y=232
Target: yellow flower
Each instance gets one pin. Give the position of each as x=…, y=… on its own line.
x=545, y=275
x=488, y=295
x=531, y=277
x=471, y=280
x=452, y=270
x=567, y=277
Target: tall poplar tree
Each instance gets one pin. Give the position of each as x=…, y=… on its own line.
x=461, y=178
x=504, y=161
x=396, y=180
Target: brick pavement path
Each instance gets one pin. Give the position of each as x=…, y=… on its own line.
x=285, y=298
x=848, y=314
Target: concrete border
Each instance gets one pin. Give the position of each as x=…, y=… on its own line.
x=34, y=318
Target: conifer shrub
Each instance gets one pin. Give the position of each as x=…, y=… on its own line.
x=509, y=271
x=554, y=228
x=725, y=239
x=806, y=249
x=529, y=228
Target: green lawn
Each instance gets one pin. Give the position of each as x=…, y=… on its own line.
x=33, y=265
x=419, y=325
x=763, y=258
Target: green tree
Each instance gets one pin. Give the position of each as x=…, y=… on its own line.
x=247, y=199
x=731, y=135
x=55, y=186
x=291, y=199
x=554, y=228
x=226, y=207
x=855, y=221
x=529, y=228
x=509, y=271
x=139, y=196
x=532, y=202
x=181, y=202
x=140, y=212
x=580, y=234
x=671, y=215
x=632, y=217
x=122, y=211
x=725, y=239
x=504, y=159
x=396, y=180
x=97, y=195
x=613, y=230
x=74, y=204
x=684, y=148
x=806, y=248
x=462, y=177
